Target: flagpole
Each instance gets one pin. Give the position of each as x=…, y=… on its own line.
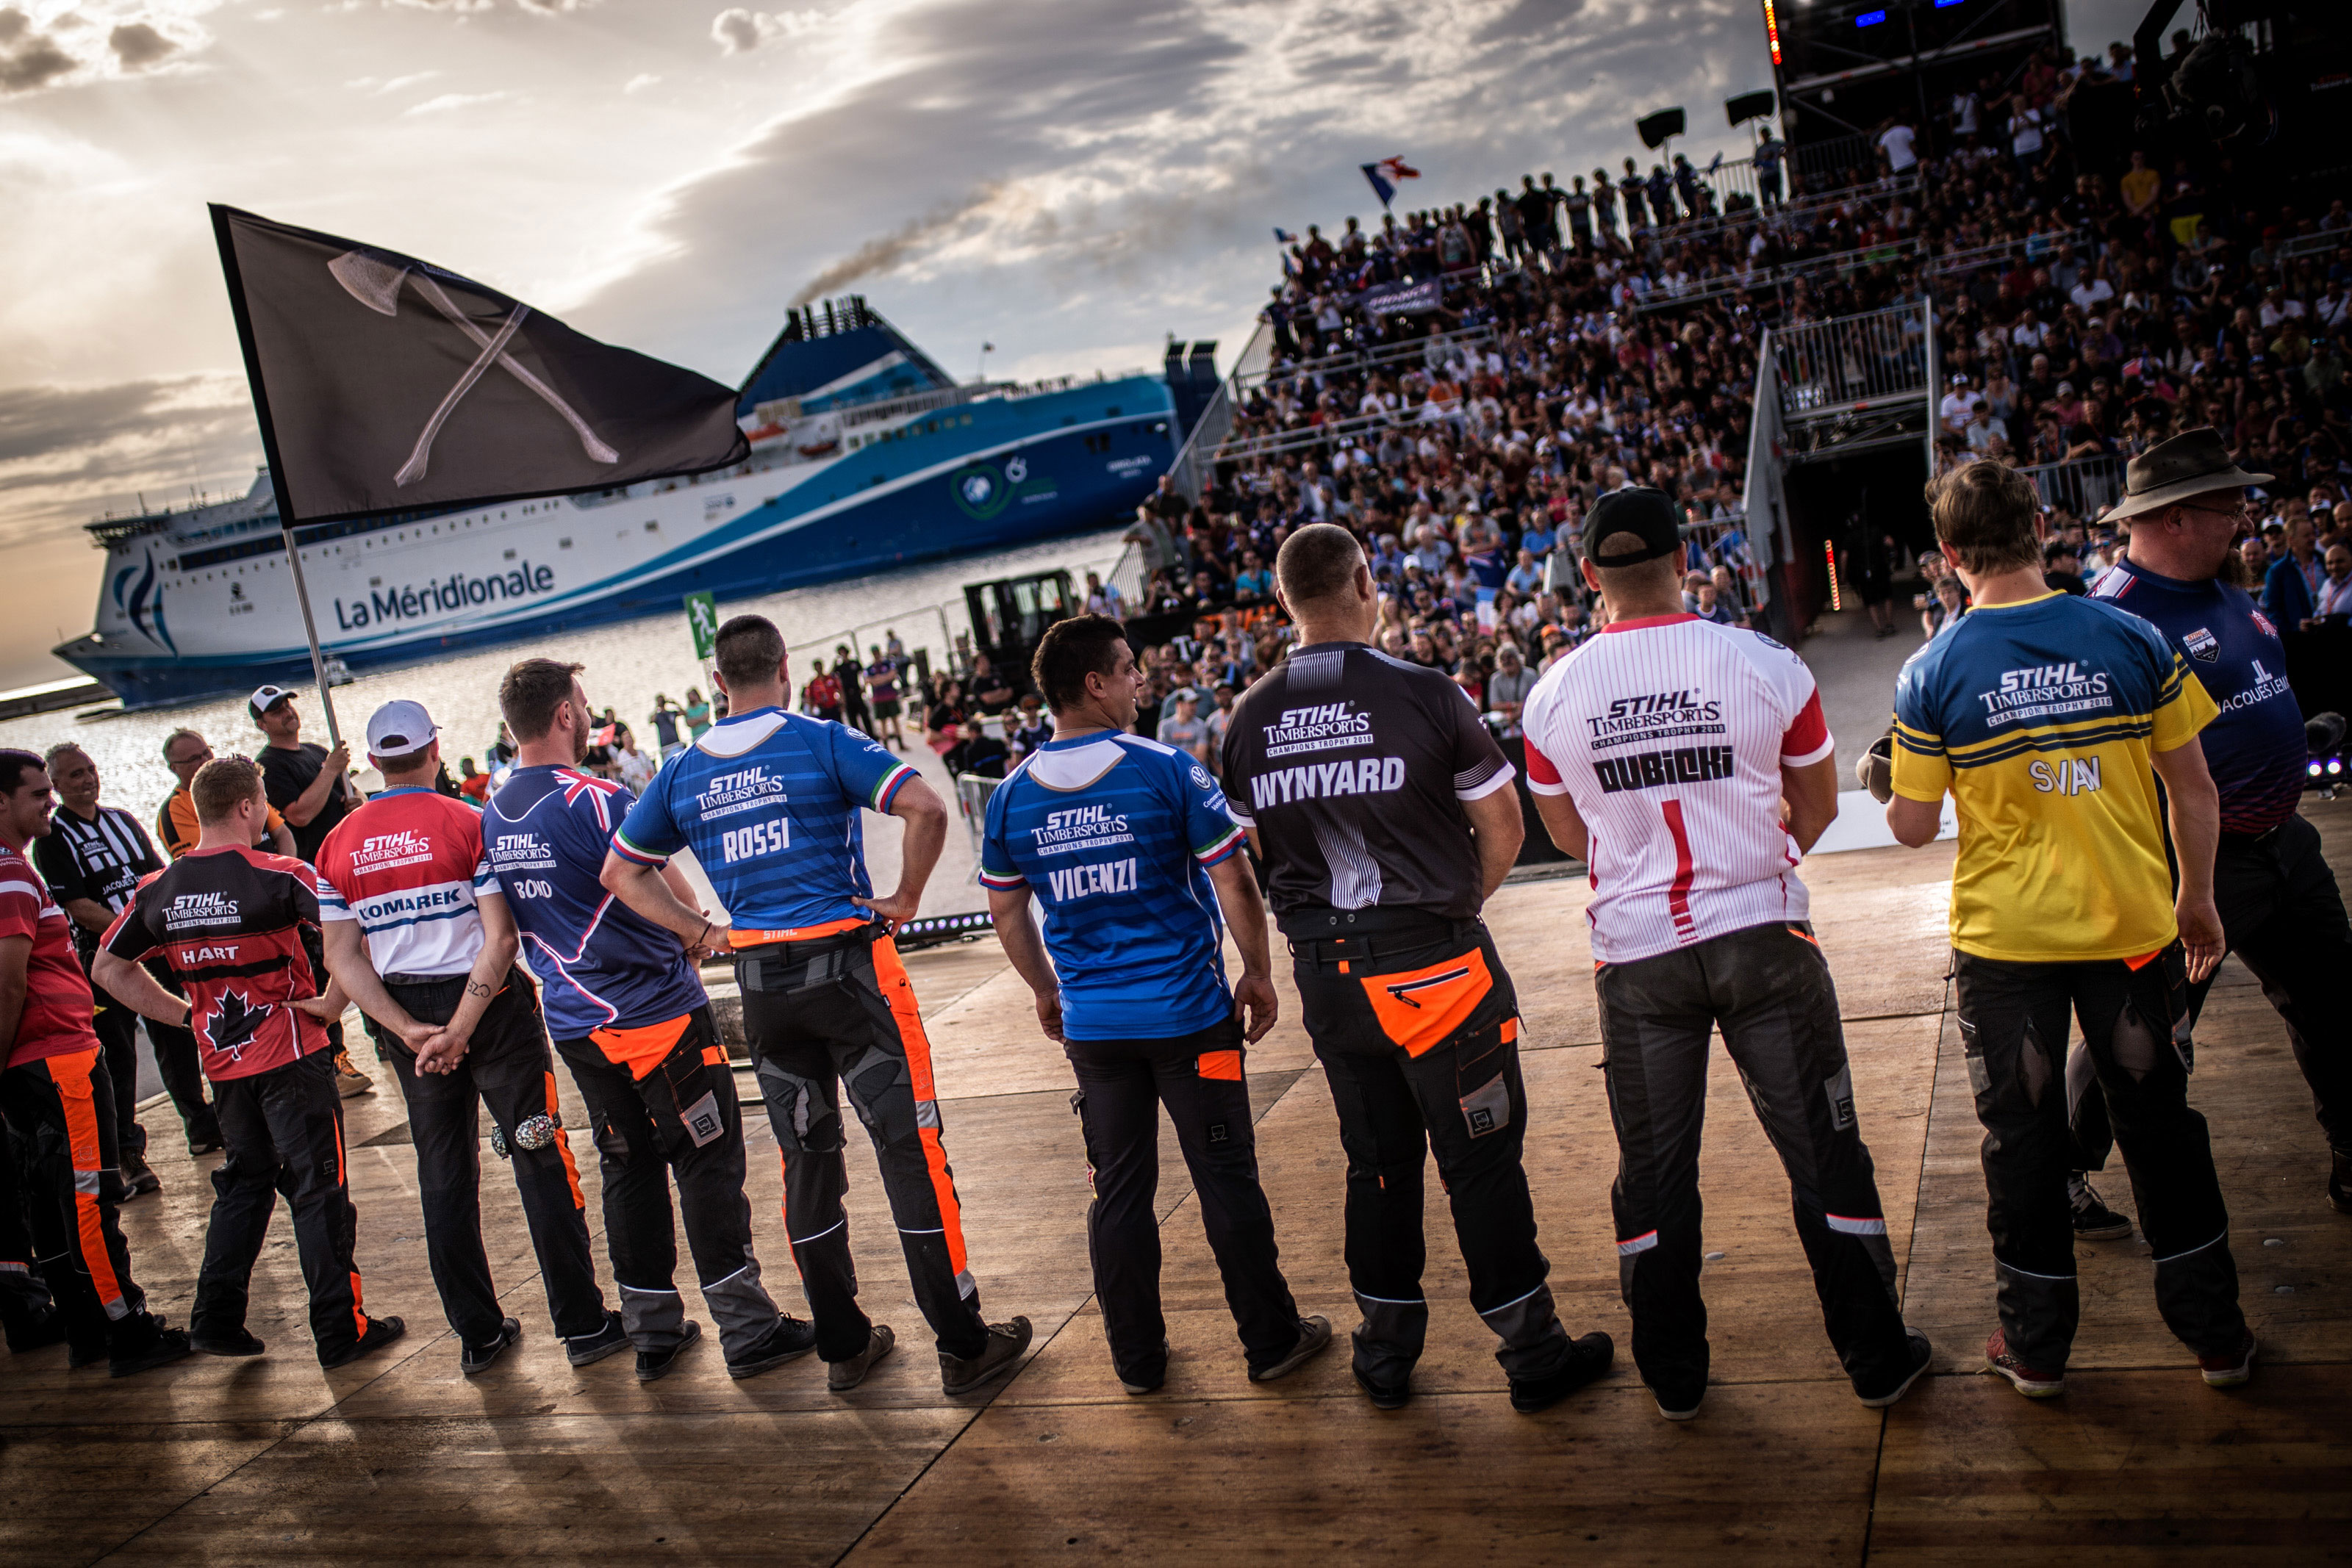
x=310, y=630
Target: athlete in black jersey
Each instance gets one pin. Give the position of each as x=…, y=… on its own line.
x=1386, y=815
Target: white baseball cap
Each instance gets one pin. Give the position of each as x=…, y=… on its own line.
x=263, y=698
x=400, y=728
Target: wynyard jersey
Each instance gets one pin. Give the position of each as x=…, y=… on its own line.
x=2040, y=718
x=409, y=866
x=769, y=801
x=1112, y=833
x=600, y=964
x=1669, y=735
x=1353, y=767
x=2255, y=746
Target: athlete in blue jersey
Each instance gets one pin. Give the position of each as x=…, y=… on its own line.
x=2281, y=912
x=770, y=803
x=1129, y=846
x=630, y=1019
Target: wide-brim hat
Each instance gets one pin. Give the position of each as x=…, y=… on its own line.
x=2193, y=463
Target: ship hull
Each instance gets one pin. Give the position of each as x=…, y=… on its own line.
x=177, y=623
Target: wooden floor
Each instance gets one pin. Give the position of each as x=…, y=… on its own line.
x=401, y=1459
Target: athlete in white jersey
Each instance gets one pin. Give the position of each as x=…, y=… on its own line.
x=1661, y=751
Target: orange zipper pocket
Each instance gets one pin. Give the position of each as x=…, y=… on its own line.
x=1420, y=1009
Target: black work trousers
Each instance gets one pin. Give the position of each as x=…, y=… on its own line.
x=63, y=1107
x=1122, y=1083
x=508, y=1068
x=181, y=1067
x=1414, y=1020
x=282, y=1128
x=176, y=1062
x=118, y=1050
x=1768, y=988
x=639, y=1090
x=2013, y=1028
x=837, y=1012
x=2283, y=915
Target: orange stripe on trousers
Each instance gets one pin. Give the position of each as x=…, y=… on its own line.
x=890, y=970
x=553, y=1112
x=342, y=1184
x=71, y=1074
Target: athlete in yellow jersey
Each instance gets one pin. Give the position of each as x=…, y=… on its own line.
x=2050, y=719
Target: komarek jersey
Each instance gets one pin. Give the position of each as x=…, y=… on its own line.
x=58, y=1013
x=770, y=803
x=601, y=965
x=228, y=923
x=1113, y=833
x=409, y=867
x=1669, y=734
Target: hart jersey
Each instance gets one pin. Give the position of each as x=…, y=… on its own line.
x=2041, y=717
x=599, y=963
x=2255, y=747
x=57, y=1014
x=1112, y=833
x=1353, y=767
x=228, y=924
x=1669, y=734
x=770, y=803
x=409, y=867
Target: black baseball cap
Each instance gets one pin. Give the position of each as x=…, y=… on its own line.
x=1648, y=514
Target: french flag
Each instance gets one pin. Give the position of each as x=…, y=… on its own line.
x=1283, y=236
x=1384, y=175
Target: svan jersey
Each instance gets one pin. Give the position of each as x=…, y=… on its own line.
x=770, y=803
x=1112, y=833
x=1669, y=735
x=228, y=924
x=409, y=866
x=1353, y=767
x=599, y=963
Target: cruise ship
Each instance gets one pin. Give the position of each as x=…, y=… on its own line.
x=865, y=455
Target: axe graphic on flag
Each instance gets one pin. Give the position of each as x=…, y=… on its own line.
x=376, y=283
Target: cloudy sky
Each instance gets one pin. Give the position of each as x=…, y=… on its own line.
x=1071, y=180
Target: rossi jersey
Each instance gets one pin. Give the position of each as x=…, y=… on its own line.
x=1111, y=832
x=771, y=804
x=56, y=1016
x=2255, y=745
x=228, y=924
x=408, y=866
x=600, y=964
x=2040, y=717
x=1669, y=735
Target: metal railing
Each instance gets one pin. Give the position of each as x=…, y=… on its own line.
x=1796, y=212
x=1852, y=362
x=1195, y=458
x=2082, y=486
x=1777, y=279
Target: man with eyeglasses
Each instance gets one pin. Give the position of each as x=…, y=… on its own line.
x=175, y=819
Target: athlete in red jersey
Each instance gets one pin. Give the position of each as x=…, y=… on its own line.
x=61, y=1101
x=227, y=920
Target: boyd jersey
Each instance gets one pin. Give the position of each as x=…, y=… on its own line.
x=1111, y=832
x=409, y=867
x=770, y=803
x=1669, y=735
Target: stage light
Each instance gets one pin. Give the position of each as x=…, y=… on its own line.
x=1773, y=31
x=1828, y=555
x=2334, y=766
x=1870, y=18
x=2314, y=770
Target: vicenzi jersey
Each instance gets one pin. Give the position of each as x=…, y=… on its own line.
x=1112, y=833
x=771, y=804
x=409, y=867
x=57, y=1014
x=228, y=923
x=1669, y=734
x=1353, y=767
x=599, y=963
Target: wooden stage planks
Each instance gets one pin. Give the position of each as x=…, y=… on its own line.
x=401, y=1459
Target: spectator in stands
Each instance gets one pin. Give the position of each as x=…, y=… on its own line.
x=2290, y=588
x=2334, y=601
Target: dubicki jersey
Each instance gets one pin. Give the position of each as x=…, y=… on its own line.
x=1113, y=832
x=409, y=867
x=2041, y=717
x=1669, y=734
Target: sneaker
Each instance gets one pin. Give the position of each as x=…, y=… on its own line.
x=1139, y=1387
x=350, y=1079
x=87, y=1352
x=1383, y=1396
x=140, y=1178
x=160, y=1348
x=588, y=1349
x=2339, y=1182
x=37, y=1330
x=963, y=1374
x=199, y=1147
x=1314, y=1334
x=1589, y=1356
x=789, y=1340
x=1680, y=1404
x=653, y=1365
x=380, y=1332
x=235, y=1341
x=841, y=1377
x=2029, y=1381
x=477, y=1358
x=2231, y=1368
x=2094, y=1220
x=1922, y=1354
